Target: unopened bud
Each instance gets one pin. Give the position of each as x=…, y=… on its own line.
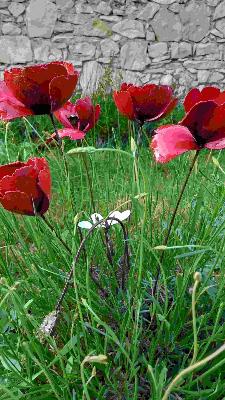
x=101, y=359
x=197, y=277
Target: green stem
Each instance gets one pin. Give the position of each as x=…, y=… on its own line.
x=197, y=279
x=190, y=369
x=173, y=219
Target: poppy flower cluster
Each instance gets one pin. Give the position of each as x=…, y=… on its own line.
x=47, y=89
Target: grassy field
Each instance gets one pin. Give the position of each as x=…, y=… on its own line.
x=147, y=339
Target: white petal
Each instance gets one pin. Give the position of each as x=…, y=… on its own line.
x=124, y=215
x=115, y=214
x=85, y=224
x=96, y=218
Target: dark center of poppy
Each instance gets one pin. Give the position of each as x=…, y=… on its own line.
x=73, y=120
x=40, y=109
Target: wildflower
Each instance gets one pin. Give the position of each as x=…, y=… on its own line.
x=77, y=118
x=98, y=217
x=144, y=103
x=37, y=89
x=25, y=186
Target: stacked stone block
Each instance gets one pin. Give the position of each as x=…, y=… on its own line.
x=176, y=42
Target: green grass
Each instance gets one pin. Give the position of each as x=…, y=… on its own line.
x=143, y=358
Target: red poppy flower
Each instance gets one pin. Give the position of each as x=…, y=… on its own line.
x=25, y=186
x=77, y=118
x=37, y=89
x=202, y=127
x=144, y=103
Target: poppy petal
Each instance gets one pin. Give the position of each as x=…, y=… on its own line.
x=124, y=104
x=218, y=141
x=172, y=140
x=73, y=134
x=17, y=202
x=61, y=89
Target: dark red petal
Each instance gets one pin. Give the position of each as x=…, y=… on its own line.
x=216, y=120
x=170, y=141
x=84, y=108
x=23, y=180
x=73, y=134
x=209, y=93
x=124, y=104
x=61, y=89
x=169, y=107
x=17, y=202
x=9, y=169
x=195, y=96
x=191, y=99
x=220, y=99
x=150, y=101
x=198, y=117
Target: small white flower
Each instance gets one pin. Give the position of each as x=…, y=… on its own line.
x=98, y=217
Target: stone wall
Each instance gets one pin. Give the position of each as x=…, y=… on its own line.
x=180, y=43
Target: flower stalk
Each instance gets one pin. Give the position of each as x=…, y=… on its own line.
x=166, y=239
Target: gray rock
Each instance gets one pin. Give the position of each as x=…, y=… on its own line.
x=63, y=37
x=64, y=4
x=110, y=18
x=133, y=55
x=4, y=3
x=219, y=11
x=157, y=49
x=55, y=54
x=167, y=2
x=84, y=8
x=41, y=50
x=148, y=11
x=82, y=51
x=15, y=49
x=181, y=50
x=77, y=19
x=109, y=47
x=41, y=17
x=216, y=33
x=167, y=26
x=93, y=28
x=213, y=2
x=130, y=28
x=150, y=36
x=16, y=9
x=208, y=64
x=207, y=48
x=90, y=76
x=175, y=7
x=203, y=76
x=220, y=25
x=103, y=8
x=131, y=77
x=195, y=21
x=61, y=27
x=10, y=29
x=215, y=77
x=166, y=80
